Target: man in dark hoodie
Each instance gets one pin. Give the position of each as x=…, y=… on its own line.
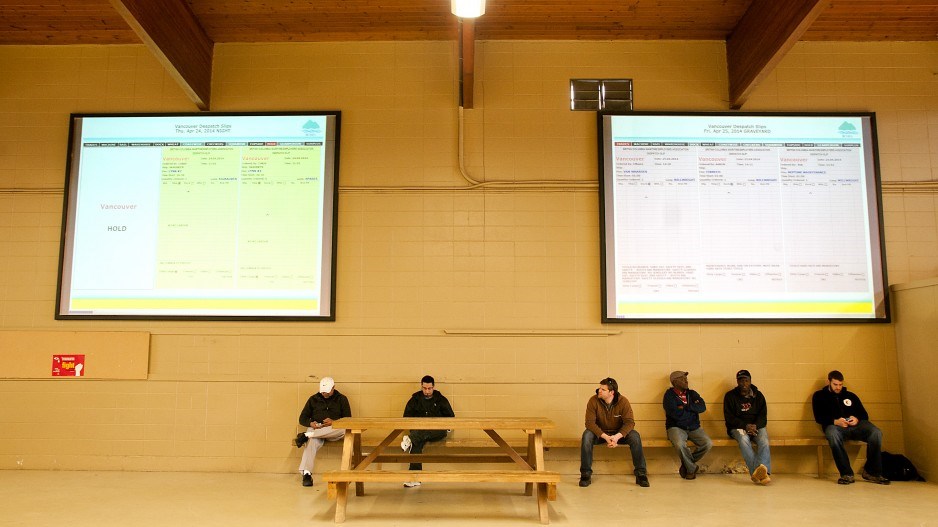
x=842, y=416
x=426, y=403
x=609, y=420
x=746, y=415
x=682, y=409
x=320, y=410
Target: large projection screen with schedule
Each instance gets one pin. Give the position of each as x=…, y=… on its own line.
x=741, y=217
x=207, y=216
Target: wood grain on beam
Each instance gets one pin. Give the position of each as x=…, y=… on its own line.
x=766, y=32
x=177, y=39
x=466, y=61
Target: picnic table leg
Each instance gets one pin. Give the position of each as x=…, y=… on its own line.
x=356, y=459
x=539, y=463
x=532, y=460
x=341, y=500
x=542, y=503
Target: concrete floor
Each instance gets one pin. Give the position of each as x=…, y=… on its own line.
x=143, y=499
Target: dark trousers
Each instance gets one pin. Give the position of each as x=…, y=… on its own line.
x=632, y=439
x=420, y=438
x=864, y=431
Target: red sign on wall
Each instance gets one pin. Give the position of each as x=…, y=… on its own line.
x=68, y=365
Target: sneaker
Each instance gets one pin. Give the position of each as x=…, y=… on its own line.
x=880, y=480
x=411, y=484
x=682, y=471
x=759, y=474
x=642, y=480
x=405, y=446
x=845, y=480
x=307, y=480
x=585, y=482
x=300, y=440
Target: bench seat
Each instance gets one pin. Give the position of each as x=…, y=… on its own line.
x=442, y=476
x=545, y=481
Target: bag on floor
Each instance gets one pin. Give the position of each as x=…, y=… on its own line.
x=897, y=467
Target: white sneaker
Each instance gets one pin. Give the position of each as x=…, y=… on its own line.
x=405, y=446
x=412, y=484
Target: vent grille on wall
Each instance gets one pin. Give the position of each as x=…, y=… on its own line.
x=600, y=94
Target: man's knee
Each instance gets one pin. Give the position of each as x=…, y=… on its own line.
x=833, y=435
x=588, y=437
x=678, y=439
x=876, y=436
x=633, y=439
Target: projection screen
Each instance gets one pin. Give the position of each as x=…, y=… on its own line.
x=740, y=217
x=218, y=216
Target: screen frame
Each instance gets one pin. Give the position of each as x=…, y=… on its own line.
x=876, y=231
x=329, y=233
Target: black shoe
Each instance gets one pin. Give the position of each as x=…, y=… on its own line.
x=642, y=480
x=875, y=479
x=300, y=440
x=585, y=482
x=845, y=480
x=307, y=480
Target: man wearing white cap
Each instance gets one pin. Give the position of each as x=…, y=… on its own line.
x=320, y=410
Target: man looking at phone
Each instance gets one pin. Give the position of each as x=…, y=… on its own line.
x=320, y=410
x=842, y=416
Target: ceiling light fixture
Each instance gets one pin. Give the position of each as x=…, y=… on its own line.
x=468, y=8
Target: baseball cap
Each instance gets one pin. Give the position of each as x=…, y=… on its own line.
x=743, y=373
x=326, y=384
x=677, y=375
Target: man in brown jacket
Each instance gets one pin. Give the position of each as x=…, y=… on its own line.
x=609, y=420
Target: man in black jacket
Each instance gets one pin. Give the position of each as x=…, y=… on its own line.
x=426, y=403
x=746, y=415
x=320, y=410
x=842, y=416
x=682, y=409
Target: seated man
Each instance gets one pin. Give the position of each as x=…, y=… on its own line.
x=682, y=409
x=746, y=415
x=842, y=416
x=426, y=403
x=609, y=420
x=320, y=410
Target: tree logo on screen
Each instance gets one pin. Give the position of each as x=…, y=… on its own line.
x=312, y=129
x=848, y=130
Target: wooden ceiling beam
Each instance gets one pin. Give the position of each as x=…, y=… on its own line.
x=467, y=46
x=177, y=39
x=767, y=31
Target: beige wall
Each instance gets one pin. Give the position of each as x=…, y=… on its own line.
x=414, y=264
x=917, y=332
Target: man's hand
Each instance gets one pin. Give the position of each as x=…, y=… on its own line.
x=751, y=429
x=851, y=421
x=842, y=422
x=612, y=441
x=327, y=422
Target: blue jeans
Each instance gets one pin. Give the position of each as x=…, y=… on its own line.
x=753, y=458
x=679, y=437
x=864, y=431
x=632, y=439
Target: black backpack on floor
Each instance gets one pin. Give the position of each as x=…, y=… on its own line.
x=897, y=467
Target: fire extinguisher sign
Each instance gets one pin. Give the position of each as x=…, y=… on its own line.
x=68, y=365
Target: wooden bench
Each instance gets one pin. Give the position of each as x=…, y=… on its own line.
x=820, y=443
